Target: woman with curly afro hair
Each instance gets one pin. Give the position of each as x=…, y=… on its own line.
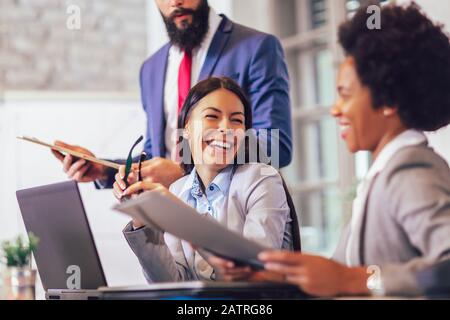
x=393, y=85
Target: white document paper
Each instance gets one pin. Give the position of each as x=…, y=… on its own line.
x=172, y=215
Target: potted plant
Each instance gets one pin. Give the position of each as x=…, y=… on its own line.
x=19, y=278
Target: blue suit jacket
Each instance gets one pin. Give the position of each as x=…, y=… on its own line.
x=254, y=59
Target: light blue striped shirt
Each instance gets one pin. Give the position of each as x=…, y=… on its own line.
x=211, y=201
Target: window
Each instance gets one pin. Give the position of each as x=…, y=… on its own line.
x=323, y=175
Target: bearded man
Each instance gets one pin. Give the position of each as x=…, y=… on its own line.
x=202, y=44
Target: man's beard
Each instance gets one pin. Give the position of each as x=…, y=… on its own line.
x=193, y=35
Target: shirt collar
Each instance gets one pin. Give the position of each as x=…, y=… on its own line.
x=196, y=189
x=223, y=179
x=222, y=182
x=405, y=139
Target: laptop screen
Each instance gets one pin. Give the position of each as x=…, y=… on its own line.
x=66, y=256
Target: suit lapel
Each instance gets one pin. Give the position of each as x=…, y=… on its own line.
x=214, y=52
x=158, y=118
x=357, y=254
x=216, y=48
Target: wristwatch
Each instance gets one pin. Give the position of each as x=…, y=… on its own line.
x=375, y=282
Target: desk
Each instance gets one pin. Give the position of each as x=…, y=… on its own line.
x=205, y=294
x=187, y=291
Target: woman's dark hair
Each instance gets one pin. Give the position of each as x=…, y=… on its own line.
x=405, y=64
x=197, y=93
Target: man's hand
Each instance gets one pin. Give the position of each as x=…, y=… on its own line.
x=79, y=170
x=159, y=170
x=315, y=275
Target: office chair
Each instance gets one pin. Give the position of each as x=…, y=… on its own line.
x=297, y=243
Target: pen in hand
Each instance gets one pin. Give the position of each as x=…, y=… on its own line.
x=141, y=159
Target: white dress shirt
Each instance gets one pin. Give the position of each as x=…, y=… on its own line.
x=405, y=139
x=171, y=81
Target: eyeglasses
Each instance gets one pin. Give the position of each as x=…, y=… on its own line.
x=129, y=162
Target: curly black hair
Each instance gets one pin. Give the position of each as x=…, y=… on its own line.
x=405, y=64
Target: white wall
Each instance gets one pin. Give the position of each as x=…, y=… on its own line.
x=257, y=14
x=438, y=10
x=107, y=125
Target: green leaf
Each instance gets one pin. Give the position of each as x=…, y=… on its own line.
x=17, y=253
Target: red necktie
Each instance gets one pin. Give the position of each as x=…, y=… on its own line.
x=184, y=79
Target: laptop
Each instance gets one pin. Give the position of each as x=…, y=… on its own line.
x=56, y=215
x=66, y=257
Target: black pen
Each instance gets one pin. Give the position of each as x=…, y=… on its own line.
x=141, y=159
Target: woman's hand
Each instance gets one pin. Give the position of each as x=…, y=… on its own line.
x=119, y=185
x=155, y=171
x=228, y=271
x=315, y=275
x=121, y=191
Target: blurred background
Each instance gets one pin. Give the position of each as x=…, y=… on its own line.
x=82, y=86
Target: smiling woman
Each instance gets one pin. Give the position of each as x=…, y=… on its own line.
x=202, y=116
x=248, y=198
x=392, y=86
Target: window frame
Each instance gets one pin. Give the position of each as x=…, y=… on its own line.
x=304, y=44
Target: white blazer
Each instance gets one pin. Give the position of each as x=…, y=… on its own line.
x=255, y=207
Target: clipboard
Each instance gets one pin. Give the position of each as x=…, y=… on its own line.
x=66, y=151
x=172, y=215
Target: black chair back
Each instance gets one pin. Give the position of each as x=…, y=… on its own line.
x=297, y=242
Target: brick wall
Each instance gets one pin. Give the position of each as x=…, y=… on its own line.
x=39, y=52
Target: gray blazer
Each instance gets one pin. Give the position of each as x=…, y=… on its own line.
x=255, y=207
x=406, y=224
